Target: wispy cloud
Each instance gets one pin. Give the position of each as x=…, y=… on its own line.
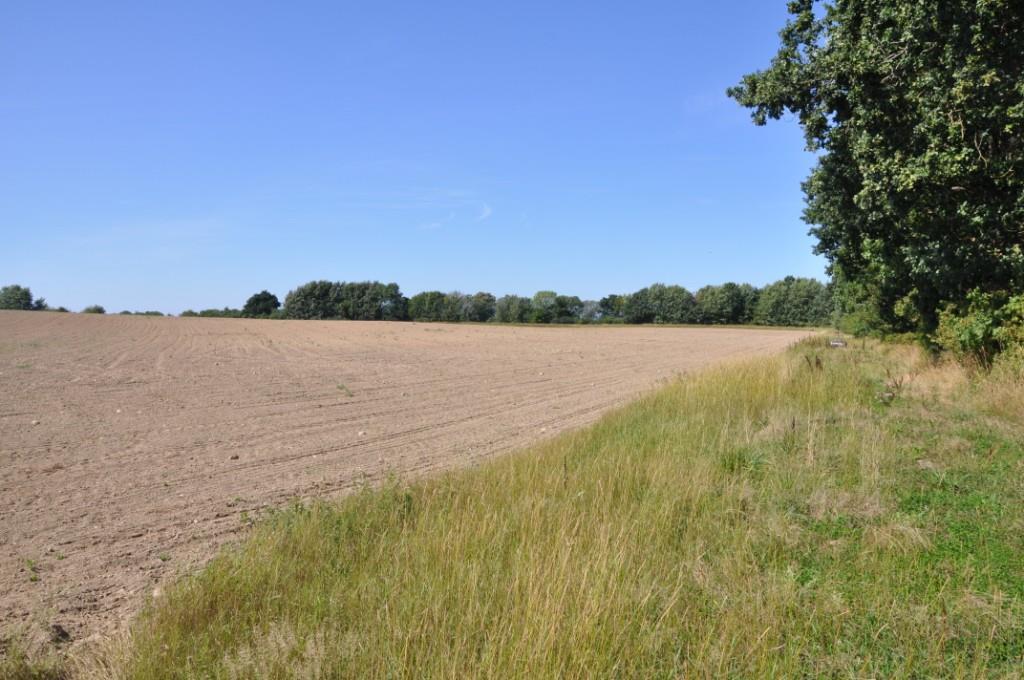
x=485, y=212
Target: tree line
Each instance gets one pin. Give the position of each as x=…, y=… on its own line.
x=788, y=302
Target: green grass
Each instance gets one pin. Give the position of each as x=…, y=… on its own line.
x=767, y=519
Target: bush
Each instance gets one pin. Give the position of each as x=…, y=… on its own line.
x=990, y=324
x=226, y=313
x=261, y=305
x=20, y=297
x=94, y=309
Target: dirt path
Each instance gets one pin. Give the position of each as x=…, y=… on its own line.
x=130, y=446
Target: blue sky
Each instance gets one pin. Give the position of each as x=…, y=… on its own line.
x=192, y=153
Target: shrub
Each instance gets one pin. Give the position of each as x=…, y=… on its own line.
x=19, y=297
x=990, y=324
x=94, y=309
x=261, y=305
x=226, y=313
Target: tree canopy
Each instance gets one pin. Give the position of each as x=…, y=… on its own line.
x=916, y=110
x=261, y=304
x=19, y=297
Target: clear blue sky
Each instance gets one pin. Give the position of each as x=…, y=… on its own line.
x=192, y=153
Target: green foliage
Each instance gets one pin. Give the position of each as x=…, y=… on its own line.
x=590, y=312
x=794, y=302
x=455, y=306
x=729, y=303
x=20, y=297
x=989, y=324
x=261, y=305
x=661, y=304
x=94, y=309
x=189, y=312
x=361, y=301
x=568, y=309
x=313, y=300
x=479, y=307
x=549, y=307
x=543, y=306
x=613, y=307
x=513, y=309
x=225, y=313
x=916, y=110
x=427, y=306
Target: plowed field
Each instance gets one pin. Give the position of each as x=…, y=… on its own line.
x=130, y=447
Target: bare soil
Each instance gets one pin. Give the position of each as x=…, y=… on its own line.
x=130, y=447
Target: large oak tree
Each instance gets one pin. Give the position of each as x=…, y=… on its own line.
x=916, y=111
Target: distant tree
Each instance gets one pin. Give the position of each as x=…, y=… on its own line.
x=125, y=312
x=613, y=307
x=427, y=306
x=393, y=305
x=94, y=309
x=591, y=311
x=480, y=307
x=16, y=297
x=454, y=306
x=794, y=302
x=364, y=301
x=659, y=303
x=189, y=312
x=225, y=313
x=673, y=304
x=512, y=309
x=313, y=300
x=637, y=307
x=262, y=304
x=750, y=296
x=544, y=307
x=720, y=304
x=568, y=309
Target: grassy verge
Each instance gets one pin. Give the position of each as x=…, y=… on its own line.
x=774, y=518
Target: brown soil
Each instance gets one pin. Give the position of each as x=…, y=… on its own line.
x=131, y=446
